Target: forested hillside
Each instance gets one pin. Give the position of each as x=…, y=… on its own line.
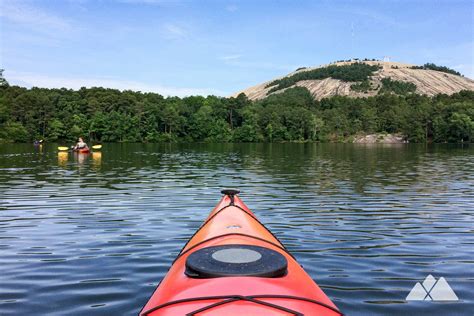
x=109, y=115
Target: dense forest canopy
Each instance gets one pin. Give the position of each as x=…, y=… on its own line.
x=397, y=87
x=110, y=115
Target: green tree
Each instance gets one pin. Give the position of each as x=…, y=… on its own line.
x=269, y=132
x=220, y=132
x=202, y=123
x=461, y=127
x=317, y=127
x=56, y=130
x=15, y=131
x=171, y=119
x=3, y=81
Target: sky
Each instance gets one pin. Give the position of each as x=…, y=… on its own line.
x=219, y=47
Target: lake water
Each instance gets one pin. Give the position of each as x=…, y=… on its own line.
x=94, y=234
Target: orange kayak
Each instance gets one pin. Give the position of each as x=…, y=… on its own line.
x=233, y=265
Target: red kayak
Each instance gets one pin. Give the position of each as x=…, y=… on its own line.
x=83, y=151
x=233, y=265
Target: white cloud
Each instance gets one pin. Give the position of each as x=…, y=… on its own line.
x=230, y=57
x=173, y=31
x=231, y=8
x=33, y=18
x=44, y=81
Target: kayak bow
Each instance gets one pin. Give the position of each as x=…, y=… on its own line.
x=233, y=265
x=83, y=150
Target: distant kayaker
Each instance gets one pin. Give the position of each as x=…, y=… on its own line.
x=80, y=144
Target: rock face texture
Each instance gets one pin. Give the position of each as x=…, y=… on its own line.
x=428, y=82
x=380, y=139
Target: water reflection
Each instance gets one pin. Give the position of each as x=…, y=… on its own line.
x=38, y=148
x=80, y=158
x=93, y=234
x=97, y=159
x=63, y=157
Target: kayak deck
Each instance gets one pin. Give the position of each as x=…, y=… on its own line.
x=232, y=223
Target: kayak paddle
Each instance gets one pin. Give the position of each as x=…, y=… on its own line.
x=64, y=148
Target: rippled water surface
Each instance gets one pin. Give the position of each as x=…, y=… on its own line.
x=94, y=234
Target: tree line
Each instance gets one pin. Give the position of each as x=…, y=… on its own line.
x=431, y=66
x=108, y=115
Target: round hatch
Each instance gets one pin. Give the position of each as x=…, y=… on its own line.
x=236, y=260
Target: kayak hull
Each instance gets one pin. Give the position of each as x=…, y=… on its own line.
x=83, y=151
x=232, y=223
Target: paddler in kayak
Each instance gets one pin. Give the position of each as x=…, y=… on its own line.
x=81, y=145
